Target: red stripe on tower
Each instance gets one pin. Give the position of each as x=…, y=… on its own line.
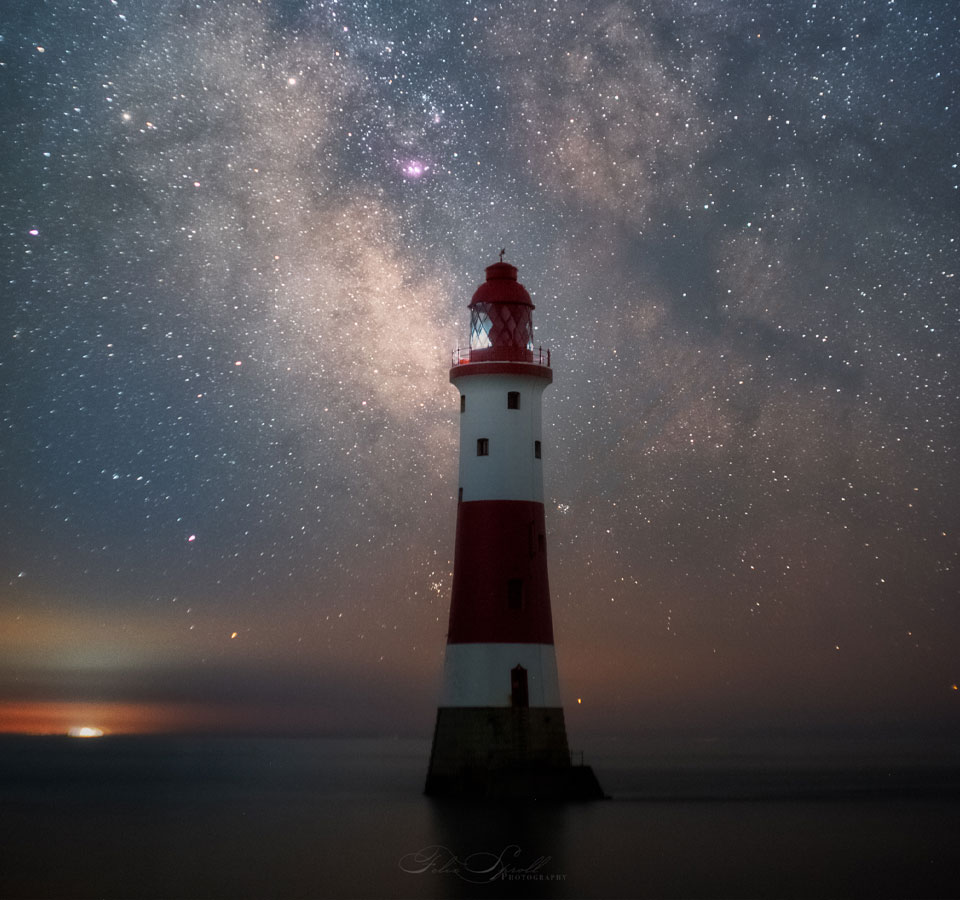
x=511, y=605
x=500, y=712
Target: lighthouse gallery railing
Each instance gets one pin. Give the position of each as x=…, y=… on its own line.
x=461, y=356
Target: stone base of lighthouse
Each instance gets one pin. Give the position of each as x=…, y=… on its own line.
x=506, y=752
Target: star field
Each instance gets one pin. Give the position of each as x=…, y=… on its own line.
x=239, y=241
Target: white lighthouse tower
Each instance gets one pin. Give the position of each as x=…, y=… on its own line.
x=500, y=728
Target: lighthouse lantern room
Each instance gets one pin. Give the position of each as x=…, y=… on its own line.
x=500, y=728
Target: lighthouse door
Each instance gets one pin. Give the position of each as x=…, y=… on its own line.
x=518, y=687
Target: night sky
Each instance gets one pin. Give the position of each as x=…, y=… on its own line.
x=239, y=240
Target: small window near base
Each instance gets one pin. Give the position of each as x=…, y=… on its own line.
x=519, y=690
x=513, y=399
x=463, y=403
x=460, y=498
x=483, y=446
x=536, y=449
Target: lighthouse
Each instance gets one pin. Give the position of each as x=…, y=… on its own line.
x=500, y=728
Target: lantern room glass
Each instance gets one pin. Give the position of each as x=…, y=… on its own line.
x=480, y=326
x=502, y=327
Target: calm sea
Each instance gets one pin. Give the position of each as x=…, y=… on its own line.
x=227, y=817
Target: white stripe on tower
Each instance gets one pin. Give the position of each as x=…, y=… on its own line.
x=511, y=471
x=474, y=674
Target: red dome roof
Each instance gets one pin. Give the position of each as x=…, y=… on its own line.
x=502, y=286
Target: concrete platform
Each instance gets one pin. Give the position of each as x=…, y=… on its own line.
x=516, y=753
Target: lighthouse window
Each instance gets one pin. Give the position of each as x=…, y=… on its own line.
x=480, y=326
x=536, y=449
x=463, y=403
x=519, y=691
x=513, y=399
x=483, y=446
x=514, y=593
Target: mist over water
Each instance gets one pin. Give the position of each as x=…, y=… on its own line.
x=225, y=817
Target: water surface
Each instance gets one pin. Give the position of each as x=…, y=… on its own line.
x=224, y=817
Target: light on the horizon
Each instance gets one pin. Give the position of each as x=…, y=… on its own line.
x=85, y=731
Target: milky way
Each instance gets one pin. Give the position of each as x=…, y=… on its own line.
x=239, y=243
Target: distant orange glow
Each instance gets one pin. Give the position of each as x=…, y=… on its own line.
x=86, y=731
x=57, y=717
x=61, y=717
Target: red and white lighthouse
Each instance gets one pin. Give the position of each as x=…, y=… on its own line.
x=500, y=729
